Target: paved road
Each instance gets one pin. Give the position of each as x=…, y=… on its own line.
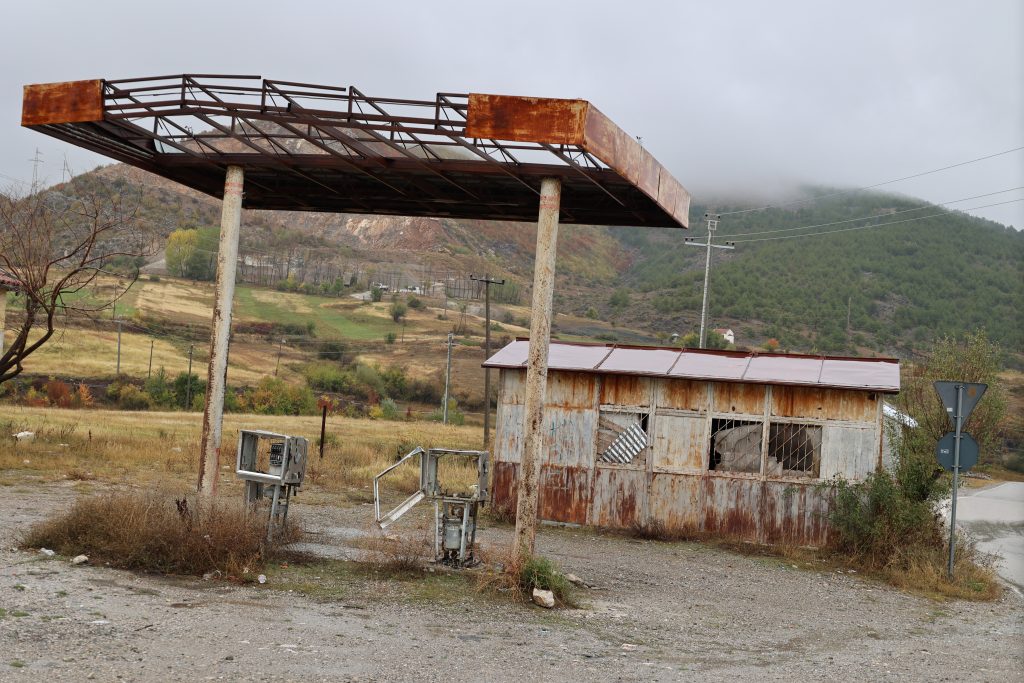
x=994, y=516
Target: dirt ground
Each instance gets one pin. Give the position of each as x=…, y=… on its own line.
x=660, y=612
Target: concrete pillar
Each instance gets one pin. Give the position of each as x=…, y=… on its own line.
x=537, y=367
x=217, y=374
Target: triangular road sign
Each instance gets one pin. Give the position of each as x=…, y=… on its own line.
x=973, y=391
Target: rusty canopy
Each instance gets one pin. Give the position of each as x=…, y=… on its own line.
x=308, y=147
x=835, y=372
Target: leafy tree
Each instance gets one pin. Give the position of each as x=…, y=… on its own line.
x=974, y=358
x=181, y=245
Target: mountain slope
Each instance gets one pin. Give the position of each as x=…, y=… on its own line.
x=899, y=284
x=887, y=289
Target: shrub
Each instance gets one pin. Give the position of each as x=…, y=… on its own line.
x=455, y=416
x=415, y=304
x=390, y=338
x=397, y=311
x=156, y=532
x=58, y=393
x=376, y=294
x=519, y=575
x=133, y=398
x=332, y=350
x=273, y=396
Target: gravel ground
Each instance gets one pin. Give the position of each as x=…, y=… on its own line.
x=661, y=612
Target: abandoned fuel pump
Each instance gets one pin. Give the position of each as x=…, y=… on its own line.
x=455, y=512
x=277, y=461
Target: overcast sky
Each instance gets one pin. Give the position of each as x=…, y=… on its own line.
x=740, y=98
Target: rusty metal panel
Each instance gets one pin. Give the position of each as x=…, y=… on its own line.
x=526, y=119
x=680, y=443
x=681, y=394
x=568, y=436
x=824, y=404
x=795, y=514
x=68, y=102
x=847, y=451
x=626, y=390
x=504, y=495
x=640, y=361
x=508, y=433
x=728, y=397
x=649, y=174
x=623, y=154
x=676, y=501
x=513, y=387
x=564, y=494
x=731, y=506
x=571, y=390
x=620, y=497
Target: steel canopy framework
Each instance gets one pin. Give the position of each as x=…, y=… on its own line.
x=312, y=147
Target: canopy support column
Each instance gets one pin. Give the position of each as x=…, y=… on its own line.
x=217, y=374
x=537, y=367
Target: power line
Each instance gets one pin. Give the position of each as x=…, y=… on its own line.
x=860, y=218
x=877, y=225
x=870, y=187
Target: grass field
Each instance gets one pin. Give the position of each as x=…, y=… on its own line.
x=169, y=307
x=162, y=448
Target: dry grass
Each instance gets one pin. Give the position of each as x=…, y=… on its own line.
x=164, y=447
x=157, y=532
x=396, y=555
x=512, y=575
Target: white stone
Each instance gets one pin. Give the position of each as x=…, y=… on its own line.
x=79, y=559
x=545, y=599
x=47, y=552
x=575, y=580
x=262, y=578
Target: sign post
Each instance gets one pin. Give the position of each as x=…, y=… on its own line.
x=959, y=399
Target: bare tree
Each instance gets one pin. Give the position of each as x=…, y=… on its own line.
x=54, y=244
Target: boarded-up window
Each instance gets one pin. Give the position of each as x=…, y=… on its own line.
x=735, y=446
x=794, y=450
x=622, y=438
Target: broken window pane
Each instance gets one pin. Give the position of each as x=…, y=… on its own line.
x=794, y=450
x=735, y=446
x=622, y=437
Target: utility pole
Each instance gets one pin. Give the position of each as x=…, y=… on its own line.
x=488, y=281
x=447, y=378
x=188, y=391
x=118, y=320
x=149, y=373
x=712, y=220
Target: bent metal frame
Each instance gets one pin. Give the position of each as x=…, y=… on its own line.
x=268, y=144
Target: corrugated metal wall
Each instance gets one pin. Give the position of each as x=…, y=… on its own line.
x=670, y=482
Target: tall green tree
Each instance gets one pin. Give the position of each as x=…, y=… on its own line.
x=181, y=246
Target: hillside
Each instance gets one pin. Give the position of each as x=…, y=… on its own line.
x=888, y=289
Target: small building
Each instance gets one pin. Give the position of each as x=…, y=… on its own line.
x=727, y=334
x=720, y=442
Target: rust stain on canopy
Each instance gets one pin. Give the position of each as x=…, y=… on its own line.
x=71, y=102
x=579, y=123
x=309, y=147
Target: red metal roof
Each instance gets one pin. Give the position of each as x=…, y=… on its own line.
x=865, y=374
